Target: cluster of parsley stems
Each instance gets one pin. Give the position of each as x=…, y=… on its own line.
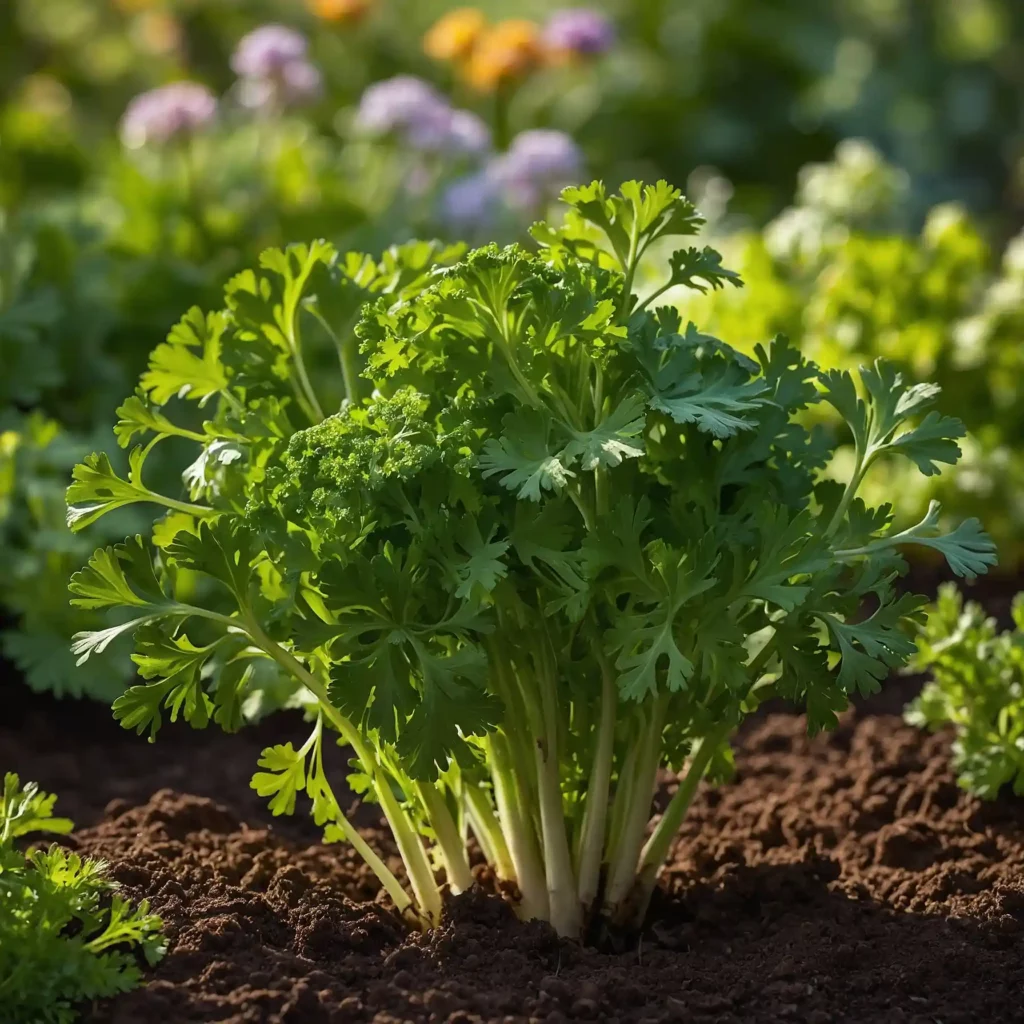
x=611, y=858
x=562, y=877
x=556, y=882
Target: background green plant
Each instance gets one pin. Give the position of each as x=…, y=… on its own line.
x=975, y=685
x=845, y=275
x=66, y=936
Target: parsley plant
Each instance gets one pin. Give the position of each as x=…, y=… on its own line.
x=65, y=934
x=552, y=540
x=976, y=685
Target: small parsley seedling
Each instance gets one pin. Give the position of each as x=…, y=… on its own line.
x=66, y=936
x=975, y=685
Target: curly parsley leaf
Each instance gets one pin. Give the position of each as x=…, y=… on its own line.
x=66, y=935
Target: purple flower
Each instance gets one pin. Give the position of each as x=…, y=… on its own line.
x=301, y=81
x=273, y=70
x=471, y=202
x=467, y=134
x=296, y=83
x=536, y=167
x=579, y=30
x=159, y=115
x=420, y=116
x=267, y=51
x=399, y=104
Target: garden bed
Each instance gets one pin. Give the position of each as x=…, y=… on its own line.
x=844, y=878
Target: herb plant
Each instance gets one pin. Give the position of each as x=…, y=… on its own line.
x=66, y=936
x=553, y=541
x=976, y=685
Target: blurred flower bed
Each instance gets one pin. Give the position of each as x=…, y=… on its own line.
x=756, y=88
x=149, y=149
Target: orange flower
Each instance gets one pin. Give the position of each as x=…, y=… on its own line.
x=509, y=51
x=340, y=10
x=157, y=32
x=454, y=36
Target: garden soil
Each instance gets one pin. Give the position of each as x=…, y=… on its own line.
x=837, y=879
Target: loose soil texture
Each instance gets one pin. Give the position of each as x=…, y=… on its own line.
x=839, y=879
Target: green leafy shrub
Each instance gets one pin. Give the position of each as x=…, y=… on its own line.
x=66, y=936
x=551, y=541
x=975, y=686
x=66, y=344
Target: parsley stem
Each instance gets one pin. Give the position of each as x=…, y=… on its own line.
x=601, y=490
x=450, y=843
x=521, y=722
x=348, y=354
x=293, y=294
x=566, y=913
x=518, y=829
x=907, y=536
x=629, y=271
x=622, y=872
x=595, y=814
x=497, y=311
x=620, y=799
x=401, y=899
x=487, y=829
x=236, y=406
x=565, y=910
x=182, y=506
x=654, y=296
x=861, y=465
x=656, y=848
x=410, y=846
x=577, y=499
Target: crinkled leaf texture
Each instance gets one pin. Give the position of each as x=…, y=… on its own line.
x=976, y=685
x=66, y=936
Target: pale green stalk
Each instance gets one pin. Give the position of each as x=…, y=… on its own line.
x=620, y=801
x=595, y=814
x=487, y=829
x=518, y=830
x=656, y=849
x=401, y=899
x=410, y=847
x=449, y=842
x=623, y=869
x=565, y=911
